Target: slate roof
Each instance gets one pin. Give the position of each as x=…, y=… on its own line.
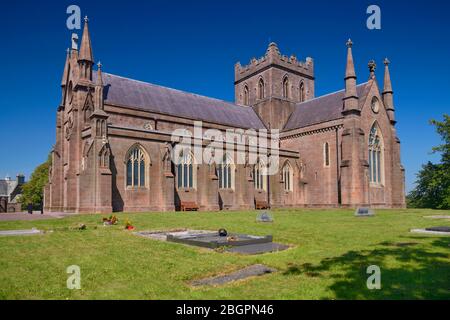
x=322, y=109
x=149, y=97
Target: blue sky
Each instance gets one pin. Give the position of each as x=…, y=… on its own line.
x=193, y=45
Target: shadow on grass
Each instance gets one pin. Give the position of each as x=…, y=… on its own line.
x=407, y=272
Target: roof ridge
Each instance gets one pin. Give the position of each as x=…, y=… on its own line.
x=321, y=109
x=329, y=94
x=173, y=89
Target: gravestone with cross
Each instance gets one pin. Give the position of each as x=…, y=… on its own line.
x=264, y=217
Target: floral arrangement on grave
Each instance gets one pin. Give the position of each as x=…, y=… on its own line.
x=82, y=226
x=128, y=225
x=112, y=220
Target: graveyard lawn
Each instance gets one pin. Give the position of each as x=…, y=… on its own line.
x=331, y=251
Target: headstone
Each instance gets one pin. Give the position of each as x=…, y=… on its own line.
x=364, y=212
x=264, y=217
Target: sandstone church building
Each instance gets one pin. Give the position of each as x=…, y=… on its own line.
x=113, y=141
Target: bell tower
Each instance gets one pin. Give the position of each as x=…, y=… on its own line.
x=274, y=75
x=273, y=84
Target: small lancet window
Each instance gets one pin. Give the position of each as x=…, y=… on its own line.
x=261, y=93
x=286, y=87
x=302, y=92
x=287, y=177
x=246, y=98
x=326, y=154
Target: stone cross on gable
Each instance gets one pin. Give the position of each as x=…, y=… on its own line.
x=372, y=66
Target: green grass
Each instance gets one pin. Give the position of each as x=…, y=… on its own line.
x=331, y=251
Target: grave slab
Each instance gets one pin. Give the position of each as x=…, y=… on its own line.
x=437, y=217
x=20, y=232
x=213, y=240
x=251, y=271
x=433, y=231
x=258, y=248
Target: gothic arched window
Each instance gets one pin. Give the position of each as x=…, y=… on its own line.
x=288, y=177
x=185, y=171
x=225, y=173
x=246, y=95
x=261, y=93
x=259, y=175
x=302, y=92
x=286, y=87
x=376, y=158
x=136, y=167
x=326, y=154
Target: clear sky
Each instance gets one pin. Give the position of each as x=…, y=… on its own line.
x=193, y=46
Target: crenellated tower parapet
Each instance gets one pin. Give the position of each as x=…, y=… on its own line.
x=273, y=56
x=274, y=75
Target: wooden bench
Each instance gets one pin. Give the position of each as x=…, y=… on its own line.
x=261, y=205
x=189, y=206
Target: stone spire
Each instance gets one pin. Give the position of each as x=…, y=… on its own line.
x=351, y=96
x=85, y=58
x=66, y=69
x=388, y=98
x=86, y=47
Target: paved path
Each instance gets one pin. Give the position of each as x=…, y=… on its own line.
x=35, y=216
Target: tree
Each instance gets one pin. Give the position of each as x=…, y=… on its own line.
x=433, y=181
x=33, y=190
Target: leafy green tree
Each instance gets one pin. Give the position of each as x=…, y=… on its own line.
x=33, y=190
x=433, y=181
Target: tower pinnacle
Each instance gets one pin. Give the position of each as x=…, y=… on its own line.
x=388, y=94
x=86, y=47
x=351, y=96
x=350, y=69
x=99, y=74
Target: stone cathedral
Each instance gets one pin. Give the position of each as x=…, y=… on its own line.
x=113, y=141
